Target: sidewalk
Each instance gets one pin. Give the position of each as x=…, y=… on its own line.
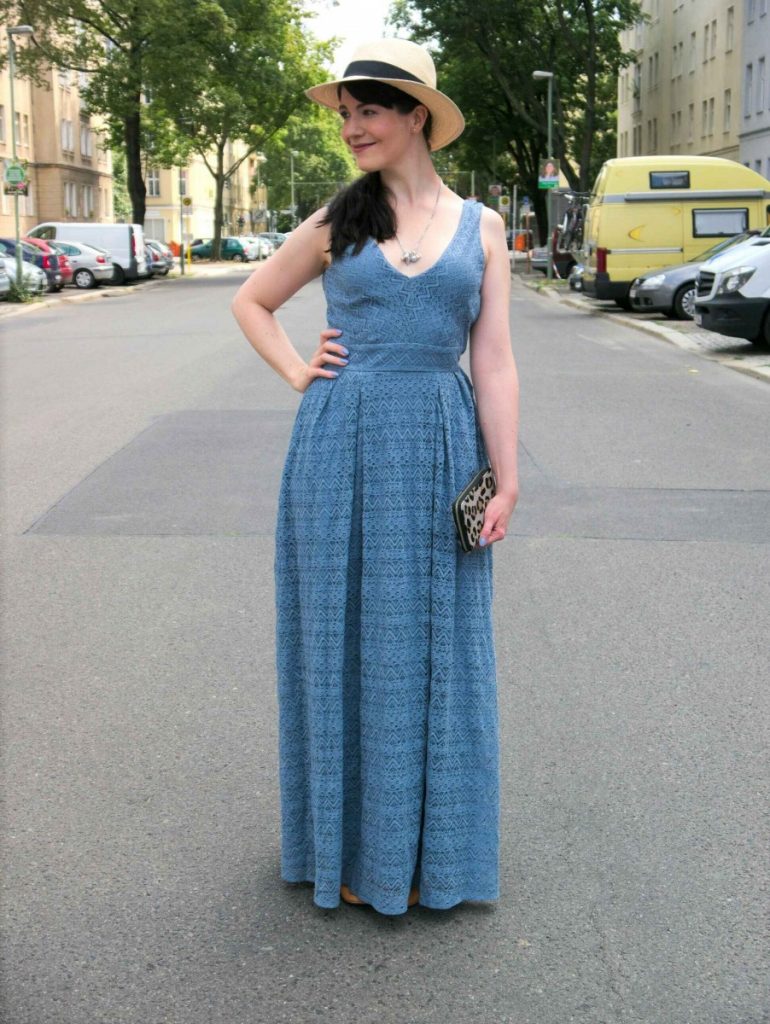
x=66, y=296
x=731, y=352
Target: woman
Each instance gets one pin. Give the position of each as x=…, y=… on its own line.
x=386, y=671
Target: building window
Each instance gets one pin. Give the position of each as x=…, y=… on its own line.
x=183, y=181
x=704, y=111
x=70, y=199
x=693, y=52
x=25, y=129
x=637, y=87
x=748, y=88
x=87, y=195
x=751, y=7
x=64, y=78
x=728, y=109
x=17, y=127
x=706, y=43
x=713, y=39
x=656, y=67
x=760, y=85
x=691, y=122
x=2, y=123
x=649, y=73
x=730, y=34
x=711, y=116
x=762, y=7
x=674, y=52
x=86, y=140
x=153, y=182
x=655, y=135
x=67, y=136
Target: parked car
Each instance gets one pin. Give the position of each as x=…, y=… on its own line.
x=53, y=254
x=90, y=266
x=5, y=281
x=672, y=290
x=733, y=292
x=276, y=237
x=157, y=263
x=646, y=211
x=575, y=277
x=563, y=259
x=231, y=249
x=166, y=255
x=31, y=254
x=33, y=277
x=124, y=241
x=260, y=247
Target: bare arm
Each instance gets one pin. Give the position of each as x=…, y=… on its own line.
x=301, y=258
x=495, y=380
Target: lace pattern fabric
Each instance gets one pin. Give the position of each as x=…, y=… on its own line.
x=385, y=656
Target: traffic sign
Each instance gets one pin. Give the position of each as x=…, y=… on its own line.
x=187, y=201
x=15, y=179
x=504, y=202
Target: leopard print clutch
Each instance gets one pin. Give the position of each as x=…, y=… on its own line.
x=469, y=506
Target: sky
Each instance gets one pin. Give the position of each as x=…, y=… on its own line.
x=354, y=21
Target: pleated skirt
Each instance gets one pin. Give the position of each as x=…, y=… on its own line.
x=388, y=730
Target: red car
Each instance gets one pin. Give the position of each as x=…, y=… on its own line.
x=50, y=256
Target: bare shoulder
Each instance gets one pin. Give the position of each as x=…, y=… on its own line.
x=313, y=233
x=492, y=224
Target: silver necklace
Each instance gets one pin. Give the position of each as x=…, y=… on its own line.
x=413, y=255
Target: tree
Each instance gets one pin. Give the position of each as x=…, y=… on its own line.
x=168, y=75
x=241, y=79
x=487, y=52
x=324, y=163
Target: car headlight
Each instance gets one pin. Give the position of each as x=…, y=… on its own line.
x=653, y=282
x=735, y=280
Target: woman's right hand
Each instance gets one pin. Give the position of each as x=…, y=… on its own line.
x=328, y=351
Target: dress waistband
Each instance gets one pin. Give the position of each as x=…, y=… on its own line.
x=389, y=357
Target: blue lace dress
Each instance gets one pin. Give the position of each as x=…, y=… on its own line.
x=388, y=732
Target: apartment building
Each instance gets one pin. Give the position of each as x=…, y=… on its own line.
x=70, y=173
x=683, y=93
x=755, y=98
x=168, y=217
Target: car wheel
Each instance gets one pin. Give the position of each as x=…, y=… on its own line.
x=84, y=278
x=625, y=304
x=118, y=274
x=240, y=257
x=684, y=302
x=763, y=338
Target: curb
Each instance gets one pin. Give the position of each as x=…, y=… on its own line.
x=10, y=310
x=657, y=330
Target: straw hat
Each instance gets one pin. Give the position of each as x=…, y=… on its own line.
x=408, y=67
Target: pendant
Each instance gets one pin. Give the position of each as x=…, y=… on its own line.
x=410, y=257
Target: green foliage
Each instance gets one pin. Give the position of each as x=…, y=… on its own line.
x=322, y=166
x=486, y=53
x=18, y=293
x=121, y=201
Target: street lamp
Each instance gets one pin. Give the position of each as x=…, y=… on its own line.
x=18, y=30
x=538, y=76
x=292, y=154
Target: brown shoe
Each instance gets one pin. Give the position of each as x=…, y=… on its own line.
x=350, y=897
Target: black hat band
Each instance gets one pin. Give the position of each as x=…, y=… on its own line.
x=379, y=69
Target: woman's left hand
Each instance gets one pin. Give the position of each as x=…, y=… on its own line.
x=496, y=517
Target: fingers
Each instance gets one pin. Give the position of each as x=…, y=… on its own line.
x=330, y=350
x=495, y=526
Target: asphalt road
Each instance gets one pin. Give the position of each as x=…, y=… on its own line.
x=143, y=442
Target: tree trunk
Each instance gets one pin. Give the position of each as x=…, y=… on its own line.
x=134, y=180
x=219, y=202
x=591, y=72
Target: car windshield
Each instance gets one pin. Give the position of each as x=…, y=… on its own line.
x=721, y=246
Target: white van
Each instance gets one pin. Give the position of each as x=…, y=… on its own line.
x=125, y=243
x=733, y=292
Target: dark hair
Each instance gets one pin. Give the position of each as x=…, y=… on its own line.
x=362, y=211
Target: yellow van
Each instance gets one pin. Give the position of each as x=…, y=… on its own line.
x=649, y=212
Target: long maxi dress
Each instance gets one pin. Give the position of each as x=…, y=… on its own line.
x=388, y=733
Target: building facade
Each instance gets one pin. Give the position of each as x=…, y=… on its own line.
x=755, y=99
x=683, y=93
x=168, y=217
x=70, y=173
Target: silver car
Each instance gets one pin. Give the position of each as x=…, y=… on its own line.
x=5, y=281
x=34, y=279
x=672, y=290
x=90, y=265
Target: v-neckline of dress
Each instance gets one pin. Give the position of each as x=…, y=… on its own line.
x=449, y=245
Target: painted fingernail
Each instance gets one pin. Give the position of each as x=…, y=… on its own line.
x=334, y=373
x=482, y=542
x=344, y=362
x=347, y=353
